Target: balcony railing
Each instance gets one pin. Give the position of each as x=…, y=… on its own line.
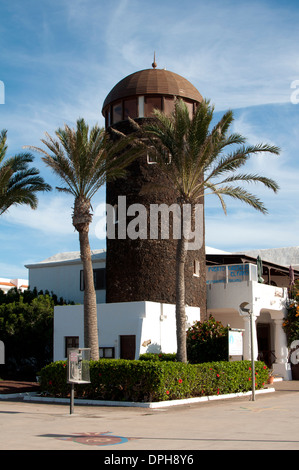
x=231, y=273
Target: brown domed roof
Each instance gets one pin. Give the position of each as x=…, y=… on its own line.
x=153, y=81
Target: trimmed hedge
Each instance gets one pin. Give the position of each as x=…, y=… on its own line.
x=158, y=357
x=150, y=381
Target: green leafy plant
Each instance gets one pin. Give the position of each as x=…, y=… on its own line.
x=207, y=341
x=158, y=357
x=26, y=328
x=151, y=381
x=291, y=322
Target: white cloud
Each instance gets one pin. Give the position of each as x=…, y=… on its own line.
x=244, y=231
x=53, y=216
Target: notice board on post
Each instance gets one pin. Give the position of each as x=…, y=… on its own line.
x=235, y=345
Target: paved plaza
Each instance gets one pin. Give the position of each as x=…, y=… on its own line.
x=269, y=422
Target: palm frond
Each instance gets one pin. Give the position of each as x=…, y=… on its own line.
x=201, y=158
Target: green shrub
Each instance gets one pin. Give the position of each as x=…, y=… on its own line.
x=291, y=322
x=207, y=341
x=150, y=381
x=26, y=329
x=158, y=357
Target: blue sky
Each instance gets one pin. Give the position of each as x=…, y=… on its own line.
x=60, y=58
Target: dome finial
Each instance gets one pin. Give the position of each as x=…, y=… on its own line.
x=154, y=65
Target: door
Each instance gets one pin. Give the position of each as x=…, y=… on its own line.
x=127, y=346
x=264, y=348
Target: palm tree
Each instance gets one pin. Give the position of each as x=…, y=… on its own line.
x=18, y=182
x=199, y=163
x=84, y=159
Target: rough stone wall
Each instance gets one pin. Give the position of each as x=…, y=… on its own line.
x=144, y=270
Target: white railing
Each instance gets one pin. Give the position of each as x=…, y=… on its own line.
x=231, y=273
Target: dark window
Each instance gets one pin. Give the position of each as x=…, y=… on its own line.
x=117, y=113
x=168, y=105
x=81, y=280
x=130, y=108
x=190, y=108
x=151, y=103
x=151, y=155
x=107, y=352
x=108, y=118
x=99, y=277
x=70, y=342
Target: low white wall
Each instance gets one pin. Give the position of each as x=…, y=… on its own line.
x=152, y=323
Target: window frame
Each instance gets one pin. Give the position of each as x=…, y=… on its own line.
x=82, y=286
x=74, y=343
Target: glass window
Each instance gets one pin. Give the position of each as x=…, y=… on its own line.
x=151, y=103
x=196, y=268
x=117, y=113
x=168, y=105
x=99, y=278
x=108, y=118
x=151, y=155
x=130, y=108
x=107, y=352
x=141, y=106
x=190, y=108
x=70, y=342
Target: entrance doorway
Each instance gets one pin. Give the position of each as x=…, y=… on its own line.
x=265, y=353
x=127, y=346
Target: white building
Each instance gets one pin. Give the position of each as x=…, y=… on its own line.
x=129, y=329
x=126, y=330
x=62, y=274
x=7, y=284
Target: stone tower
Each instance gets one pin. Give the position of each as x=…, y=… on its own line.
x=143, y=269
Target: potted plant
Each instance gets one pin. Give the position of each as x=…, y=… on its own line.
x=271, y=377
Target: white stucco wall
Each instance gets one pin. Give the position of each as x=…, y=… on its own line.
x=63, y=279
x=148, y=321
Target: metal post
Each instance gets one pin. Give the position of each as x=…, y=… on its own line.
x=252, y=357
x=72, y=399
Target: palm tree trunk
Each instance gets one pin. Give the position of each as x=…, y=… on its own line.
x=180, y=311
x=90, y=302
x=81, y=220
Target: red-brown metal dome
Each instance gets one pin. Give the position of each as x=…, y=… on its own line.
x=152, y=81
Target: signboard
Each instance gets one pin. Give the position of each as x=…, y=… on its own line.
x=227, y=273
x=235, y=344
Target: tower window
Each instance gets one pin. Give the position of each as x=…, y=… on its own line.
x=151, y=155
x=130, y=108
x=168, y=105
x=141, y=106
x=117, y=113
x=151, y=103
x=190, y=108
x=108, y=118
x=196, y=268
